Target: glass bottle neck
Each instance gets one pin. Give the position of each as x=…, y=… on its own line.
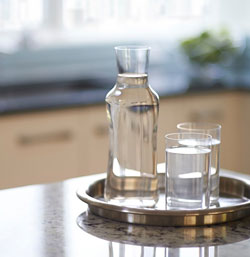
x=132, y=59
x=132, y=80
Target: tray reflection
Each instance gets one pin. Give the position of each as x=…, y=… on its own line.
x=126, y=240
x=172, y=237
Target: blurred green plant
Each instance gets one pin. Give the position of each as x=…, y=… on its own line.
x=209, y=47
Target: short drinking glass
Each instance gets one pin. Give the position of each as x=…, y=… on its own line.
x=188, y=170
x=215, y=131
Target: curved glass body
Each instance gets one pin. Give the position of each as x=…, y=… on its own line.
x=132, y=110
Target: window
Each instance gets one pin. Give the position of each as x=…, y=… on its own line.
x=46, y=22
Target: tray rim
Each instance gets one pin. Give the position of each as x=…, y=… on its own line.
x=96, y=203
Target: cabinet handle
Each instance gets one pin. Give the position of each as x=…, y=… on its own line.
x=101, y=130
x=209, y=115
x=48, y=137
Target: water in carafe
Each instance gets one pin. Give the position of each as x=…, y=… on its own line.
x=132, y=110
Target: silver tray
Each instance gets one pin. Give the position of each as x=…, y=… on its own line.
x=234, y=203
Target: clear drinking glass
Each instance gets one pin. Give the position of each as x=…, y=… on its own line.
x=132, y=110
x=188, y=170
x=215, y=131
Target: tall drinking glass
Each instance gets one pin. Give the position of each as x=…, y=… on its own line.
x=215, y=131
x=187, y=170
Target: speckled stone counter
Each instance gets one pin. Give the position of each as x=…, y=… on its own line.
x=49, y=220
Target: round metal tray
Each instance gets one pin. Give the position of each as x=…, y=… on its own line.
x=234, y=203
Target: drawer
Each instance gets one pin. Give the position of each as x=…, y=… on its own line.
x=95, y=138
x=38, y=148
x=218, y=108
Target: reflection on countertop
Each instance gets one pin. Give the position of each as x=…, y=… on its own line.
x=178, y=237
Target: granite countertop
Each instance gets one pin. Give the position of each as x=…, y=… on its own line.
x=19, y=99
x=90, y=92
x=49, y=220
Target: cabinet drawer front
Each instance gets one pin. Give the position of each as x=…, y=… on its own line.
x=217, y=108
x=95, y=124
x=45, y=137
x=38, y=148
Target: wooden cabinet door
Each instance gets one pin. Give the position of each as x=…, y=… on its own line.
x=222, y=108
x=93, y=139
x=244, y=151
x=50, y=146
x=38, y=148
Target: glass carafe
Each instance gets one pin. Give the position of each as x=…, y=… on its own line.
x=132, y=110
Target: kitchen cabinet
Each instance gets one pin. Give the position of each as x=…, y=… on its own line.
x=38, y=147
x=244, y=137
x=94, y=139
x=231, y=109
x=224, y=108
x=48, y=146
